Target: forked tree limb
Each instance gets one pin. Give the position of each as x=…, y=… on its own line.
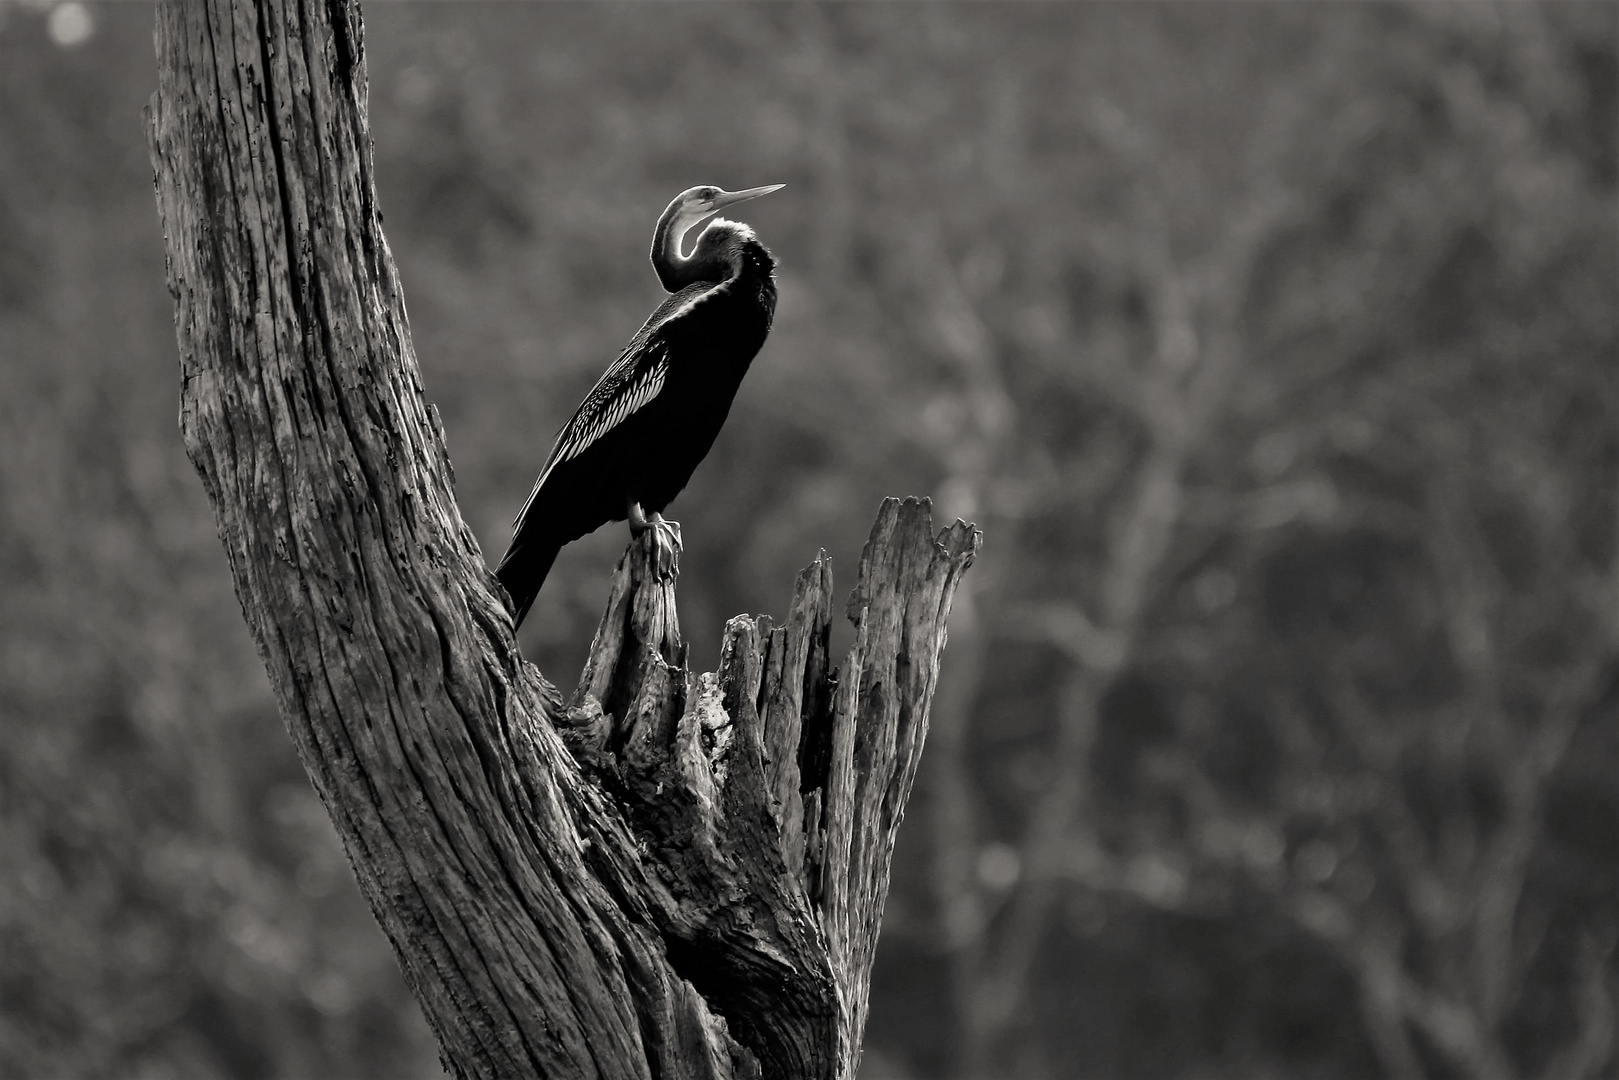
x=669, y=876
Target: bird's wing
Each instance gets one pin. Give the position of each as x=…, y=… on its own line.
x=635, y=378
x=626, y=387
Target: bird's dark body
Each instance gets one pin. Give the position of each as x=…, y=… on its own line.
x=651, y=455
x=703, y=339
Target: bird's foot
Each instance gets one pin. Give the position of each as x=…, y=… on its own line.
x=666, y=545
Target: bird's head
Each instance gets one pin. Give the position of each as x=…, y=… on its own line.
x=689, y=208
x=695, y=204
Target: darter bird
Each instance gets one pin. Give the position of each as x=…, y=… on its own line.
x=653, y=415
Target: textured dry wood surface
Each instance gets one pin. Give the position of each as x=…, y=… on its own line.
x=670, y=875
x=768, y=795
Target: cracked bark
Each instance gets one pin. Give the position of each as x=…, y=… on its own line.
x=670, y=875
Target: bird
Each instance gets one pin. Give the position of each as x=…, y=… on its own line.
x=642, y=430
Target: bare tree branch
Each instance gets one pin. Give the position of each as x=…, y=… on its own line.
x=676, y=876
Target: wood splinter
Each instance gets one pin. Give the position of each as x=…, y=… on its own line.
x=769, y=793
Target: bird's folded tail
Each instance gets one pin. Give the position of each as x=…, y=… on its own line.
x=522, y=571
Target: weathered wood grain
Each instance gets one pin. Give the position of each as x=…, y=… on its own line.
x=670, y=876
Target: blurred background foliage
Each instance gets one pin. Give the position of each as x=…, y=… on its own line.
x=1273, y=346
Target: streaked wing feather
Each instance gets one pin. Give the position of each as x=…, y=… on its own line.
x=634, y=380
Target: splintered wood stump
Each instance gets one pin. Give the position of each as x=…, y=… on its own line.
x=671, y=877
x=768, y=795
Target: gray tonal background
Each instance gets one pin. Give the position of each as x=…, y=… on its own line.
x=1273, y=346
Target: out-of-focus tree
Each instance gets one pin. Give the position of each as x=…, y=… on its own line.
x=1427, y=396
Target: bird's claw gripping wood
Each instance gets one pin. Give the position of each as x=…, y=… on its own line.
x=665, y=540
x=666, y=546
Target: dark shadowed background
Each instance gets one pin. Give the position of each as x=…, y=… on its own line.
x=1273, y=347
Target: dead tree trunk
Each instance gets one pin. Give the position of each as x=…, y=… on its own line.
x=669, y=876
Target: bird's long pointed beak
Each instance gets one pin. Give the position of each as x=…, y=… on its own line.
x=726, y=198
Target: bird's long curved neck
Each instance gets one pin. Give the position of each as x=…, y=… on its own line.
x=675, y=270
